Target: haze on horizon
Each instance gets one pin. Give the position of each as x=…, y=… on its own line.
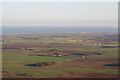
x=67, y=14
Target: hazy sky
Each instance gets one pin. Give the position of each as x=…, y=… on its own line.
x=60, y=14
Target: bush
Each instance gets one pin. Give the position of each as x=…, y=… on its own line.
x=53, y=50
x=112, y=65
x=42, y=64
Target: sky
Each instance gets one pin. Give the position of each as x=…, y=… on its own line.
x=60, y=14
x=59, y=0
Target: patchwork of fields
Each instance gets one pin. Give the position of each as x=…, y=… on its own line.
x=76, y=55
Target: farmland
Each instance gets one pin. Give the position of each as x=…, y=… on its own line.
x=76, y=55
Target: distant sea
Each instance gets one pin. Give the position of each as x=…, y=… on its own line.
x=57, y=29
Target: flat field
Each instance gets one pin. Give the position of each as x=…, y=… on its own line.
x=75, y=55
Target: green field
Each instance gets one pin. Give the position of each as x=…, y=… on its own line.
x=74, y=45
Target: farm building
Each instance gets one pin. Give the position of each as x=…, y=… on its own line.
x=29, y=49
x=57, y=55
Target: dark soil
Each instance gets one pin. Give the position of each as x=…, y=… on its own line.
x=85, y=75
